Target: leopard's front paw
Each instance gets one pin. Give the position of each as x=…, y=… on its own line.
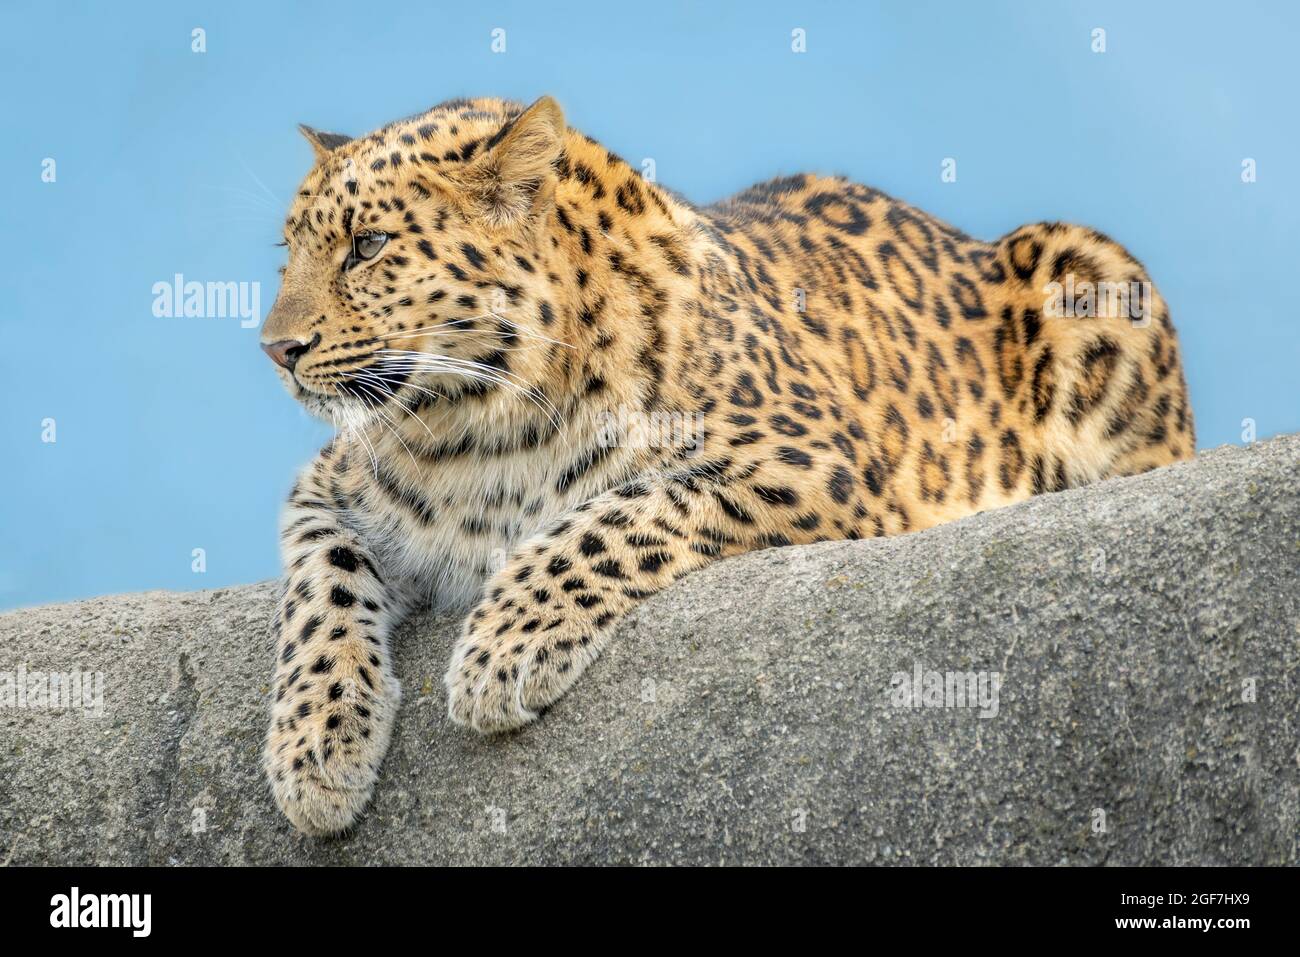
x=506, y=669
x=322, y=756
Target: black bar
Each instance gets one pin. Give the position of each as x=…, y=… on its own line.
x=336, y=905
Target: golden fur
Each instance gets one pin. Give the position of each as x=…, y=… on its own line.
x=559, y=388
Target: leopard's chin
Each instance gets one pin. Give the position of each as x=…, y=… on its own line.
x=322, y=407
x=339, y=411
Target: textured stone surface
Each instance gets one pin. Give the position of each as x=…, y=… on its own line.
x=747, y=715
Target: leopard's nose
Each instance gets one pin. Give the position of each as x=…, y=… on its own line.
x=286, y=352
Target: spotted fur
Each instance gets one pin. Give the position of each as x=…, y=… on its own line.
x=855, y=368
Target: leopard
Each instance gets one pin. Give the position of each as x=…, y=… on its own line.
x=557, y=387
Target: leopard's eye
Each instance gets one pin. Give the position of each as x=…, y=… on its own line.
x=369, y=244
x=365, y=246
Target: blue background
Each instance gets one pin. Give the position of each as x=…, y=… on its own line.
x=173, y=434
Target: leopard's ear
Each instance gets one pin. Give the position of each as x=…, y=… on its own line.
x=514, y=176
x=322, y=142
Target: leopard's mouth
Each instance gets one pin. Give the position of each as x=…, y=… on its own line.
x=374, y=383
x=354, y=398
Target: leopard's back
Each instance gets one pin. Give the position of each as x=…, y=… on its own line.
x=943, y=378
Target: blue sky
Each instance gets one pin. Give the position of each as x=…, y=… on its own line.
x=173, y=434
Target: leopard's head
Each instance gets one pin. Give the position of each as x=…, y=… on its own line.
x=415, y=259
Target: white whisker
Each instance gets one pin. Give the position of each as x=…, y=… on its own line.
x=388, y=423
x=355, y=430
x=410, y=360
x=387, y=385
